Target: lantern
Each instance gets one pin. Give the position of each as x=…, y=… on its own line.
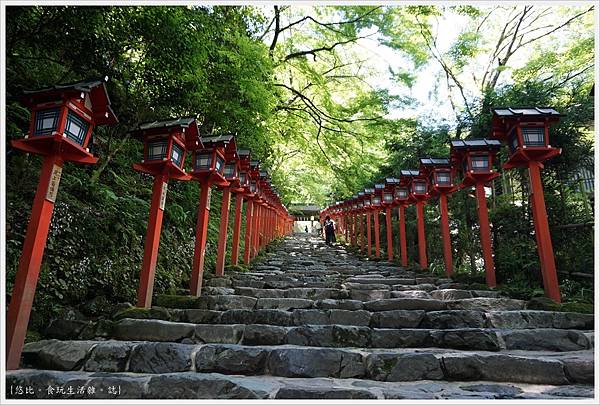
x=231, y=173
x=526, y=131
x=476, y=157
x=62, y=120
x=439, y=171
x=165, y=146
x=164, y=154
x=242, y=192
x=65, y=116
x=208, y=164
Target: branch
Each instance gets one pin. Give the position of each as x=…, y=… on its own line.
x=277, y=31
x=558, y=27
x=314, y=51
x=329, y=25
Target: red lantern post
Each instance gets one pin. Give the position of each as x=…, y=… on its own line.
x=251, y=211
x=376, y=208
x=231, y=173
x=208, y=167
x=368, y=209
x=164, y=155
x=241, y=193
x=527, y=133
x=388, y=202
x=401, y=199
x=62, y=120
x=476, y=157
x=419, y=194
x=440, y=173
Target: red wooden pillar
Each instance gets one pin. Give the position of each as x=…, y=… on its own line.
x=237, y=226
x=28, y=272
x=353, y=228
x=377, y=231
x=361, y=233
x=159, y=189
x=369, y=241
x=445, y=229
x=248, y=237
x=223, y=228
x=347, y=228
x=542, y=231
x=421, y=234
x=389, y=235
x=485, y=235
x=201, y=236
x=256, y=230
x=402, y=225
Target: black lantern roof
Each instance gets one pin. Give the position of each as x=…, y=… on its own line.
x=103, y=113
x=476, y=144
x=526, y=111
x=435, y=161
x=379, y=186
x=361, y=193
x=409, y=172
x=263, y=174
x=177, y=122
x=225, y=139
x=243, y=153
x=369, y=190
x=392, y=180
x=254, y=164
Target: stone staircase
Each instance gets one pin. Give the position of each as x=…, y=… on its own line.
x=317, y=322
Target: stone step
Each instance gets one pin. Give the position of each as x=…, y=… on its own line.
x=192, y=385
x=336, y=335
x=298, y=362
x=225, y=302
x=332, y=312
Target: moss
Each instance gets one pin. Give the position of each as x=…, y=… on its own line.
x=32, y=336
x=178, y=301
x=142, y=313
x=543, y=303
x=238, y=268
x=388, y=365
x=581, y=307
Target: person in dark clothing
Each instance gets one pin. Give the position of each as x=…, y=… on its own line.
x=329, y=227
x=306, y=229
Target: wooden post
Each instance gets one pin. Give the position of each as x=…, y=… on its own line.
x=402, y=226
x=157, y=206
x=248, y=235
x=361, y=233
x=237, y=226
x=377, y=232
x=485, y=235
x=28, y=271
x=445, y=230
x=369, y=242
x=388, y=231
x=223, y=228
x=201, y=236
x=421, y=235
x=542, y=230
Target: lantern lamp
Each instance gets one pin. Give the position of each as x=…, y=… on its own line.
x=526, y=132
x=475, y=157
x=65, y=116
x=165, y=146
x=209, y=160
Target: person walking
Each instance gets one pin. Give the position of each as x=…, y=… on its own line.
x=329, y=227
x=306, y=229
